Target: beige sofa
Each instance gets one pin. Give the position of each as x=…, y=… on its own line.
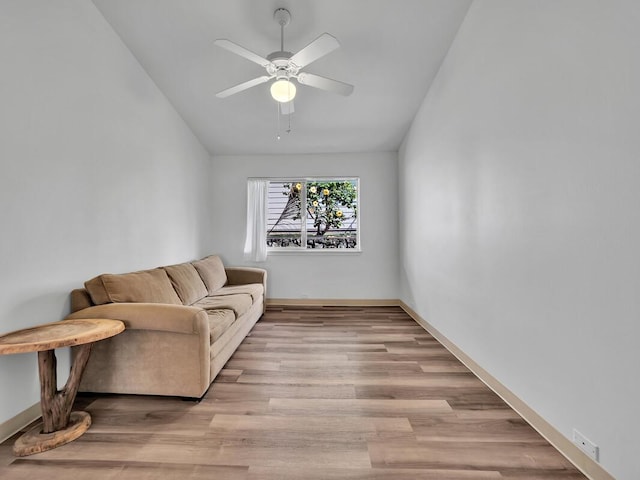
x=183, y=322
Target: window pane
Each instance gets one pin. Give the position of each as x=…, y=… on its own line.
x=284, y=219
x=332, y=214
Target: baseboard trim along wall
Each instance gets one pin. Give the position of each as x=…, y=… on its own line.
x=17, y=423
x=331, y=302
x=576, y=456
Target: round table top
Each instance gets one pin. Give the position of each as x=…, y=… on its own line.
x=65, y=333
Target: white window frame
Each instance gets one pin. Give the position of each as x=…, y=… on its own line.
x=303, y=201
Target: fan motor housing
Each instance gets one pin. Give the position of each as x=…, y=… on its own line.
x=280, y=64
x=279, y=57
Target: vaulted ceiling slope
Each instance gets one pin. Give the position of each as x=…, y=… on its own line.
x=390, y=51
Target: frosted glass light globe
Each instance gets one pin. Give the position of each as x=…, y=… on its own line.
x=283, y=90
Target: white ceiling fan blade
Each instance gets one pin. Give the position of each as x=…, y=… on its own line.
x=243, y=52
x=243, y=86
x=325, y=83
x=322, y=45
x=287, y=108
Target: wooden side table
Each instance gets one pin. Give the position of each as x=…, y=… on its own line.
x=59, y=425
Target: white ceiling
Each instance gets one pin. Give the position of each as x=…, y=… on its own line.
x=390, y=51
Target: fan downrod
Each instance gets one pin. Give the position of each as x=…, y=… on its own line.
x=280, y=58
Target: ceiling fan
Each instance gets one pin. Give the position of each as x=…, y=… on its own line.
x=285, y=66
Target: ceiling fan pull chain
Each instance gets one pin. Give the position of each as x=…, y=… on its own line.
x=278, y=121
x=289, y=111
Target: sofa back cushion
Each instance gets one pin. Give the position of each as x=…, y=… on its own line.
x=212, y=272
x=96, y=291
x=146, y=286
x=187, y=283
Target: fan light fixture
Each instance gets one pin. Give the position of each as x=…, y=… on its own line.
x=283, y=90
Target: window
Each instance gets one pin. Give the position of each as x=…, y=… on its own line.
x=313, y=214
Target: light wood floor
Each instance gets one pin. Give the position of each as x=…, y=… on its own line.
x=314, y=394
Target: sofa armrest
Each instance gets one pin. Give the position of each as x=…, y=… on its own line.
x=244, y=275
x=151, y=316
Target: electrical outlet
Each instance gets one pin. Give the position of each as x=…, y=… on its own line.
x=586, y=445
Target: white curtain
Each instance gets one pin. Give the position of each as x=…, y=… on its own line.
x=255, y=245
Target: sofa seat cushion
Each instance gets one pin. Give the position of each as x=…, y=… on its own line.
x=219, y=322
x=212, y=272
x=239, y=303
x=187, y=283
x=256, y=290
x=145, y=286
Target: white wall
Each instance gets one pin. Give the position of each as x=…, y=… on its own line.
x=519, y=194
x=97, y=171
x=372, y=274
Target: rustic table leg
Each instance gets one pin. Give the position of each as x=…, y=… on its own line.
x=56, y=405
x=59, y=425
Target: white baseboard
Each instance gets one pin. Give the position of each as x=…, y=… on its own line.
x=15, y=424
x=332, y=302
x=586, y=465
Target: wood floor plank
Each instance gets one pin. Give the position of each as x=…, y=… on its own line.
x=245, y=364
x=420, y=356
x=138, y=421
x=233, y=405
x=446, y=366
x=466, y=455
x=266, y=473
x=541, y=474
x=305, y=333
x=276, y=356
x=240, y=392
x=416, y=349
x=313, y=393
x=363, y=379
x=32, y=468
x=479, y=398
x=353, y=367
x=361, y=338
x=325, y=347
x=474, y=426
x=311, y=457
x=308, y=429
x=366, y=407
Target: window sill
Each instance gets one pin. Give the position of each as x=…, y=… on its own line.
x=314, y=251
